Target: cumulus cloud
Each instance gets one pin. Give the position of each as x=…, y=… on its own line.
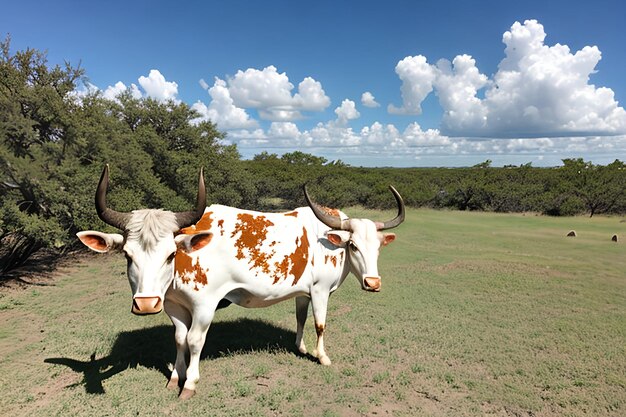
x=335, y=135
x=538, y=90
x=270, y=92
x=368, y=100
x=154, y=86
x=457, y=85
x=417, y=77
x=111, y=92
x=311, y=96
x=157, y=87
x=222, y=110
x=542, y=89
x=346, y=112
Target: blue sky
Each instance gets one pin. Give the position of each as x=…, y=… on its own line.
x=393, y=83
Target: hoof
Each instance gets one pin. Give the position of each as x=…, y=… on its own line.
x=186, y=394
x=302, y=349
x=172, y=384
x=325, y=360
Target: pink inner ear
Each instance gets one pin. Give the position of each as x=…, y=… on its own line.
x=388, y=238
x=334, y=239
x=95, y=242
x=201, y=241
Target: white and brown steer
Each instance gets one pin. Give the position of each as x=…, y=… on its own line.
x=249, y=258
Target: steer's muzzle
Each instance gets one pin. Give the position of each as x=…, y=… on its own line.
x=146, y=305
x=371, y=284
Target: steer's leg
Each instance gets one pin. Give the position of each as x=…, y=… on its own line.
x=182, y=320
x=195, y=340
x=319, y=302
x=302, y=309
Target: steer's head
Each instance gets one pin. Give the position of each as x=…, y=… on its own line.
x=149, y=243
x=362, y=239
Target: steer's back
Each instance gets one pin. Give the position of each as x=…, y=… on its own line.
x=264, y=257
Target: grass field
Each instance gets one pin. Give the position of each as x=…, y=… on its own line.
x=479, y=314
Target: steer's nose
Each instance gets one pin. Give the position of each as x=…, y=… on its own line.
x=372, y=283
x=146, y=305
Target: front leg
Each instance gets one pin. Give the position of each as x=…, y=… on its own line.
x=302, y=309
x=319, y=302
x=181, y=319
x=195, y=340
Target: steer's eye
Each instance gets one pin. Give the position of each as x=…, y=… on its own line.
x=352, y=246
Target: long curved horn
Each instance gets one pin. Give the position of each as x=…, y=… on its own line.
x=187, y=218
x=107, y=215
x=400, y=217
x=333, y=222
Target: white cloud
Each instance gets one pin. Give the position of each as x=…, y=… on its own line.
x=222, y=110
x=157, y=87
x=112, y=92
x=154, y=86
x=538, y=90
x=311, y=96
x=542, y=89
x=284, y=130
x=457, y=84
x=368, y=100
x=346, y=112
x=280, y=115
x=270, y=92
x=260, y=89
x=417, y=82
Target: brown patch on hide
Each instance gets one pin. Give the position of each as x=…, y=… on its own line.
x=252, y=234
x=203, y=224
x=294, y=263
x=188, y=270
x=300, y=257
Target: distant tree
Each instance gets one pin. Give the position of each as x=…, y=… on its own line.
x=301, y=158
x=600, y=188
x=485, y=164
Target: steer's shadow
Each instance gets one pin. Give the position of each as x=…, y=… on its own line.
x=154, y=348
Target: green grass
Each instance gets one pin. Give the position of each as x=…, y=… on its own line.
x=479, y=314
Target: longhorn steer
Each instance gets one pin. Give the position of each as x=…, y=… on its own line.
x=250, y=258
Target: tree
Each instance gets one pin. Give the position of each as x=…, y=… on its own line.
x=54, y=143
x=600, y=188
x=36, y=132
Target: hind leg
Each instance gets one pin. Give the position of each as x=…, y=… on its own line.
x=302, y=309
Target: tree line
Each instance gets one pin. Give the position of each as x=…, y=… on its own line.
x=54, y=144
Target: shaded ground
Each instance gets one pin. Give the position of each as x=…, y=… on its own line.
x=42, y=268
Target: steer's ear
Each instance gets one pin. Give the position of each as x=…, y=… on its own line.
x=338, y=237
x=192, y=243
x=100, y=242
x=388, y=238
